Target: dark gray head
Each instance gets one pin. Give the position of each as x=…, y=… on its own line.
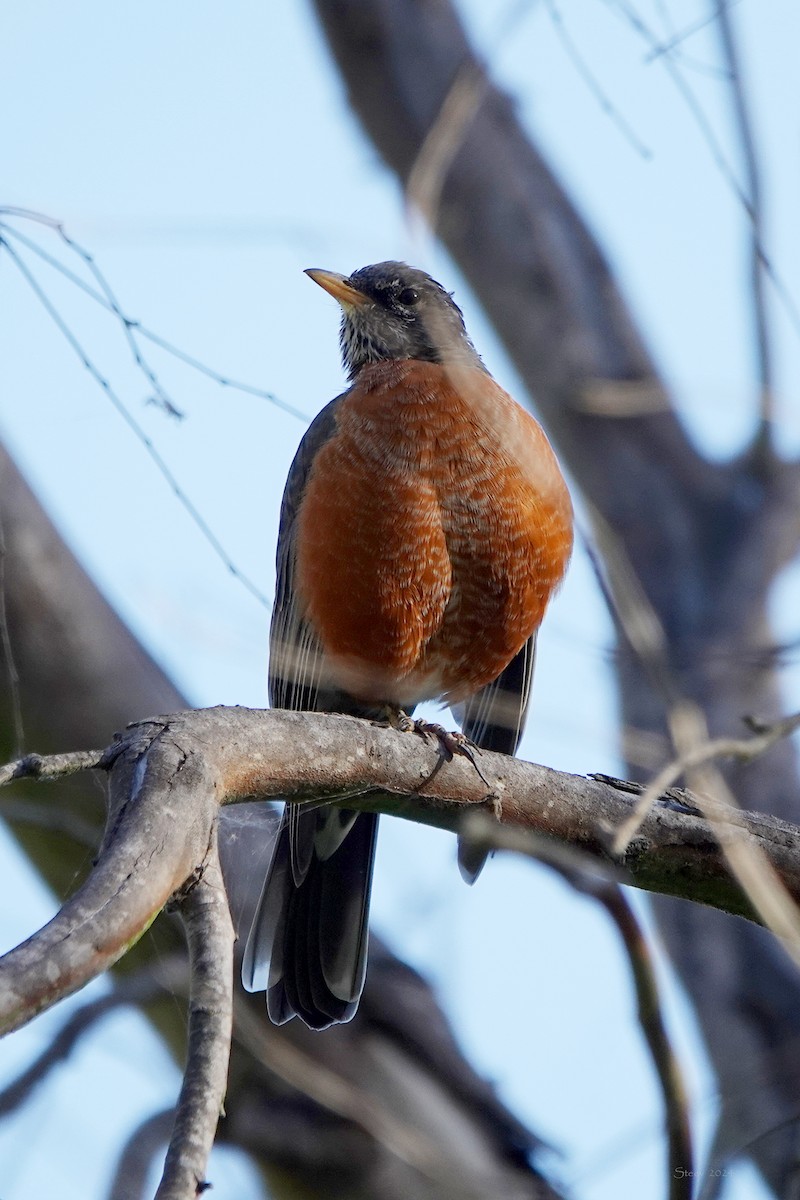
x=390, y=311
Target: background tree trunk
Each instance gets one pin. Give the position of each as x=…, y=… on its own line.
x=704, y=540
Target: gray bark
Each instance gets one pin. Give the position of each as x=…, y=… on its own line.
x=705, y=540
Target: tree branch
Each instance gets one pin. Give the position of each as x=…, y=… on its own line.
x=754, y=209
x=138, y=1155
x=166, y=974
x=744, y=749
x=51, y=766
x=209, y=932
x=169, y=776
x=158, y=834
x=483, y=835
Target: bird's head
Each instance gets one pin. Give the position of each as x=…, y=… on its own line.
x=392, y=311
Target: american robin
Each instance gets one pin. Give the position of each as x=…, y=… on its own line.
x=425, y=525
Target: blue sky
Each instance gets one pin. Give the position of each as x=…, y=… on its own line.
x=205, y=155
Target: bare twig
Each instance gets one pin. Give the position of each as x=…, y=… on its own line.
x=770, y=899
x=758, y=266
x=51, y=766
x=133, y=326
x=133, y=424
x=483, y=834
x=718, y=155
x=675, y=39
x=743, y=749
x=777, y=909
x=165, y=974
x=673, y=1089
x=138, y=1155
x=209, y=932
x=587, y=75
x=637, y=619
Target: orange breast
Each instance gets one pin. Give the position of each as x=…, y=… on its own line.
x=433, y=530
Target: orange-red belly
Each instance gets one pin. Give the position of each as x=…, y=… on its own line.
x=431, y=534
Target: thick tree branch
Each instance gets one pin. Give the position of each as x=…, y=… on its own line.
x=169, y=776
x=158, y=835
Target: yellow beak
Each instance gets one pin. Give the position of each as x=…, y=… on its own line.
x=338, y=287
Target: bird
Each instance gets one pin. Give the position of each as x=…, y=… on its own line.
x=424, y=527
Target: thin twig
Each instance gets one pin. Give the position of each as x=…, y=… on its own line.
x=51, y=766
x=637, y=619
x=743, y=749
x=758, y=272
x=587, y=75
x=665, y=1061
x=747, y=862
x=134, y=426
x=482, y=834
x=715, y=149
x=681, y=35
x=138, y=1156
x=166, y=402
x=142, y=330
x=164, y=975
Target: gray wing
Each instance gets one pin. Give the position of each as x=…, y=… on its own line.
x=295, y=654
x=494, y=719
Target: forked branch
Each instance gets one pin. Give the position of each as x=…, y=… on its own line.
x=168, y=778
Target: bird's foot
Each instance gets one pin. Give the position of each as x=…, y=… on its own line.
x=450, y=741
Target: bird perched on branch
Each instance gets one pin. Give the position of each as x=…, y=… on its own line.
x=425, y=525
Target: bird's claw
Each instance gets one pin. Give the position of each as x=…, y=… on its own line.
x=450, y=741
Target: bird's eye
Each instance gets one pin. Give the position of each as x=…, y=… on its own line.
x=408, y=297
